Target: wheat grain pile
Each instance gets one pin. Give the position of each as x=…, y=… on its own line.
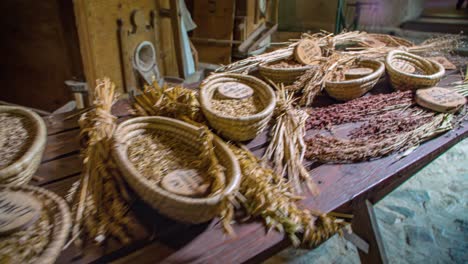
x=237, y=108
x=155, y=155
x=15, y=138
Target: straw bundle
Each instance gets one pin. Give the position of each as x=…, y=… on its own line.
x=101, y=200
x=389, y=123
x=22, y=141
x=268, y=195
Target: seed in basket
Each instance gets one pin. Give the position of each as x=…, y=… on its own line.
x=237, y=107
x=307, y=51
x=404, y=66
x=355, y=73
x=17, y=211
x=15, y=137
x=235, y=90
x=440, y=99
x=185, y=182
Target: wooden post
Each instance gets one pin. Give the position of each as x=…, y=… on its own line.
x=175, y=20
x=365, y=225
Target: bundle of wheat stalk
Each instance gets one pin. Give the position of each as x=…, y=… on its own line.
x=287, y=148
x=263, y=192
x=100, y=197
x=388, y=123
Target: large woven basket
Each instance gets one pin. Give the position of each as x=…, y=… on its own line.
x=181, y=208
x=352, y=89
x=237, y=128
x=42, y=241
x=21, y=171
x=282, y=75
x=427, y=72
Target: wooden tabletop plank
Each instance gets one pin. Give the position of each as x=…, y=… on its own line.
x=340, y=185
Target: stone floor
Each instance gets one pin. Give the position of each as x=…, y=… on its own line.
x=425, y=220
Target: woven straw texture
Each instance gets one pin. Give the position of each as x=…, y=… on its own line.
x=427, y=72
x=237, y=128
x=286, y=76
x=352, y=89
x=21, y=171
x=43, y=240
x=181, y=208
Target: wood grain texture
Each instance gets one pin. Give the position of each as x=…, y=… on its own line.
x=158, y=238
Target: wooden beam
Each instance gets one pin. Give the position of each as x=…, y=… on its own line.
x=175, y=20
x=365, y=225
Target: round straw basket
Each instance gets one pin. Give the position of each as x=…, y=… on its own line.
x=181, y=208
x=427, y=73
x=351, y=89
x=21, y=170
x=43, y=240
x=282, y=75
x=237, y=128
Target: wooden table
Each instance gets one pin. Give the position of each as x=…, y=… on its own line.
x=350, y=188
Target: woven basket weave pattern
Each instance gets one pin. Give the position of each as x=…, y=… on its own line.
x=237, y=128
x=60, y=216
x=428, y=73
x=21, y=171
x=351, y=89
x=181, y=208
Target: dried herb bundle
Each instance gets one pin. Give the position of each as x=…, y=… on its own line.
x=101, y=197
x=287, y=148
x=264, y=193
x=388, y=123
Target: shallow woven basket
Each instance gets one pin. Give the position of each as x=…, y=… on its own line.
x=282, y=75
x=181, y=208
x=237, y=128
x=352, y=89
x=60, y=223
x=21, y=171
x=428, y=72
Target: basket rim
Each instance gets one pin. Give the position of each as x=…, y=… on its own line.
x=440, y=69
x=265, y=65
x=375, y=74
x=122, y=159
x=37, y=144
x=260, y=115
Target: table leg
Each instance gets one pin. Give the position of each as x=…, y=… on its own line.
x=365, y=225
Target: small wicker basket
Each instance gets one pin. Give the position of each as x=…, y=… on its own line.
x=352, y=89
x=21, y=170
x=43, y=240
x=427, y=72
x=237, y=128
x=286, y=76
x=178, y=207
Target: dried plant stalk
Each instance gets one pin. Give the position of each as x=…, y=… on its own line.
x=287, y=148
x=263, y=192
x=102, y=197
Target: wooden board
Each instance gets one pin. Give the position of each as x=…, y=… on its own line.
x=99, y=44
x=215, y=20
x=158, y=238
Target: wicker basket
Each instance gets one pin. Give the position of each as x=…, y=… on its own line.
x=237, y=128
x=21, y=171
x=428, y=73
x=351, y=89
x=286, y=76
x=47, y=235
x=181, y=208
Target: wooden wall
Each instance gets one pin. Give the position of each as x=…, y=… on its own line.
x=39, y=51
x=99, y=43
